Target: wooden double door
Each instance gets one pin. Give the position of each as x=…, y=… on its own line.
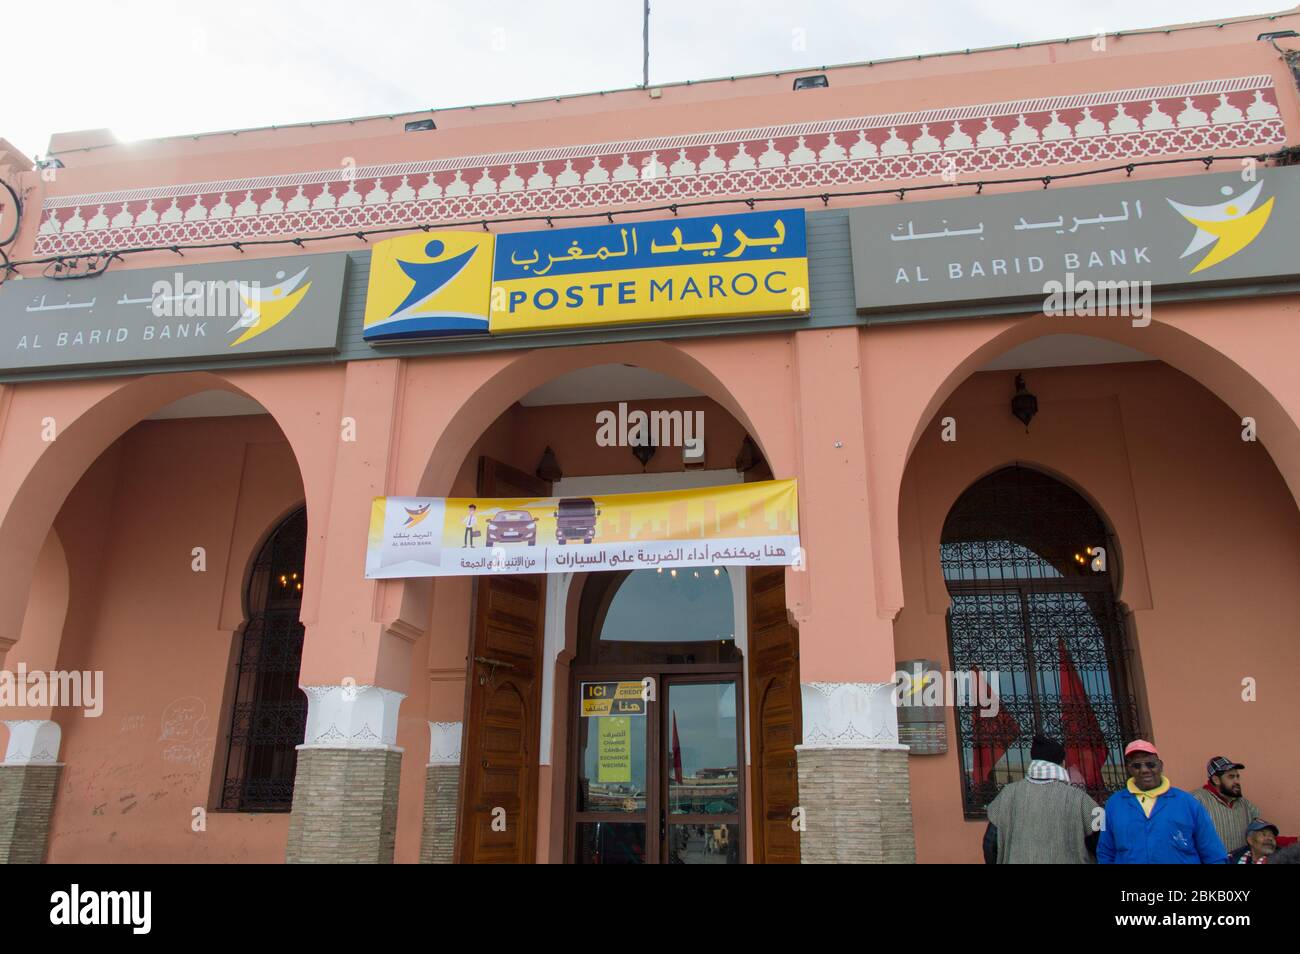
x=658, y=765
x=681, y=802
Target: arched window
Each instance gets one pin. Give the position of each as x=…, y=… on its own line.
x=1029, y=565
x=680, y=616
x=269, y=717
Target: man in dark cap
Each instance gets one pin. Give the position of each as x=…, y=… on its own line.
x=1230, y=811
x=1261, y=842
x=1042, y=819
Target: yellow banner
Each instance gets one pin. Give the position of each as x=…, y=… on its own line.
x=739, y=525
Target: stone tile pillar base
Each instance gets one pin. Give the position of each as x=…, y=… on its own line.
x=441, y=794
x=344, y=806
x=345, y=789
x=853, y=778
x=441, y=808
x=857, y=806
x=26, y=807
x=29, y=782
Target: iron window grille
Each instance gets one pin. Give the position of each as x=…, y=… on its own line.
x=269, y=715
x=1017, y=555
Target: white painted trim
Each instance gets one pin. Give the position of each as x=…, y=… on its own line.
x=352, y=717
x=849, y=715
x=33, y=742
x=444, y=742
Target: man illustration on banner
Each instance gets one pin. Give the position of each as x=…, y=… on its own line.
x=470, y=532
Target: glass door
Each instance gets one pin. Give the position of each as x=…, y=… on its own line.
x=660, y=776
x=616, y=779
x=702, y=768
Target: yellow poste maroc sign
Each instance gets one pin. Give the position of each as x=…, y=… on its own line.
x=739, y=525
x=724, y=266
x=458, y=284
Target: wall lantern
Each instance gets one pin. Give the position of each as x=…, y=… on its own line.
x=548, y=468
x=643, y=453
x=1024, y=405
x=749, y=457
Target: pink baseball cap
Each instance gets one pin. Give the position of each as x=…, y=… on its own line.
x=1140, y=745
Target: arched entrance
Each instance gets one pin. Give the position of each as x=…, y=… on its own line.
x=1029, y=565
x=510, y=776
x=268, y=716
x=656, y=721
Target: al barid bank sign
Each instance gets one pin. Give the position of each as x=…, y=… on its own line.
x=228, y=310
x=1197, y=230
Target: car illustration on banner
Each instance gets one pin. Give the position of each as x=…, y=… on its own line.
x=512, y=526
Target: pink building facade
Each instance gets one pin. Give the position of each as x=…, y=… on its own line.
x=149, y=511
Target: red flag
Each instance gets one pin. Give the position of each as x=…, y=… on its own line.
x=1085, y=746
x=677, y=754
x=991, y=736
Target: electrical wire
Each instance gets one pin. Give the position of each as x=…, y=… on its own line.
x=89, y=264
x=18, y=220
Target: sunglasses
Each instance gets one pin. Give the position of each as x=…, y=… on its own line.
x=1149, y=766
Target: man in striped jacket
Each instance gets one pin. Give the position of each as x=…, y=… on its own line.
x=1230, y=811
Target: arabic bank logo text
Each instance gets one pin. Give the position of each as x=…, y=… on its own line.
x=1229, y=226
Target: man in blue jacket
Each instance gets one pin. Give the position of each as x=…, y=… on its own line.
x=1151, y=822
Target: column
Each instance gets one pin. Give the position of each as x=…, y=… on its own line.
x=853, y=777
x=29, y=780
x=853, y=781
x=441, y=794
x=345, y=792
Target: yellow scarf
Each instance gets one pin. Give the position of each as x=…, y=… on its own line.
x=1148, y=799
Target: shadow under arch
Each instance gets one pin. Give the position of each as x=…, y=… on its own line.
x=47, y=471
x=532, y=368
x=1115, y=557
x=1199, y=360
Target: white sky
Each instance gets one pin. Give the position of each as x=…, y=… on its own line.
x=147, y=68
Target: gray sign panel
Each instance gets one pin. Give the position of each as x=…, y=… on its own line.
x=227, y=310
x=1211, y=229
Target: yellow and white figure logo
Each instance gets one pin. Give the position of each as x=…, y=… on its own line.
x=264, y=308
x=405, y=536
x=1230, y=225
x=423, y=286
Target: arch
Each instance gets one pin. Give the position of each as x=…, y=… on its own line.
x=706, y=369
x=618, y=593
x=912, y=371
x=1115, y=556
x=55, y=432
x=1205, y=357
x=1035, y=617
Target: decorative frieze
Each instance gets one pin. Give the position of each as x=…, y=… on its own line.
x=1225, y=115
